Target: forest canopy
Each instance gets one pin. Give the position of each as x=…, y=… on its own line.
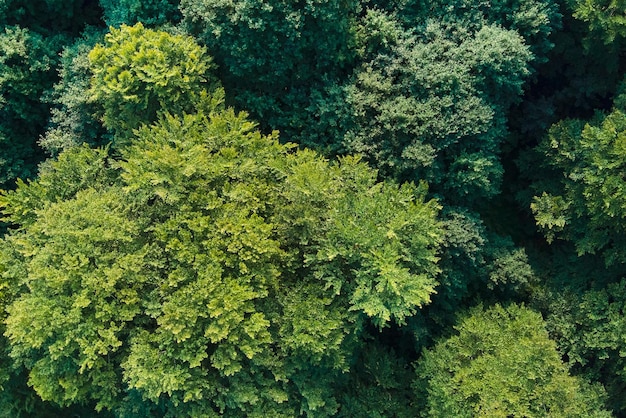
x=344, y=208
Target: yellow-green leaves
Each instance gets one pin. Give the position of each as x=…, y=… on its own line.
x=139, y=72
x=386, y=237
x=209, y=269
x=502, y=364
x=605, y=17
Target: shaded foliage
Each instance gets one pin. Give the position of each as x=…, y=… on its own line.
x=73, y=121
x=589, y=329
x=27, y=62
x=148, y=12
x=534, y=20
x=274, y=55
x=432, y=106
x=587, y=202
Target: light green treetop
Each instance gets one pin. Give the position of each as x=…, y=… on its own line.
x=605, y=17
x=138, y=72
x=502, y=364
x=209, y=271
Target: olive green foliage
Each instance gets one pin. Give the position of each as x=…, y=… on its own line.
x=31, y=35
x=17, y=399
x=502, y=364
x=209, y=271
x=138, y=72
x=587, y=203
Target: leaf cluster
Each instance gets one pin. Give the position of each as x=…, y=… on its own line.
x=209, y=269
x=501, y=363
x=137, y=72
x=585, y=206
x=432, y=105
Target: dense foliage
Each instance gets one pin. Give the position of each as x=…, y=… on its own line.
x=350, y=208
x=502, y=364
x=138, y=72
x=209, y=270
x=586, y=205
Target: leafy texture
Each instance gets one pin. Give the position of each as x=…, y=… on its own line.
x=72, y=121
x=432, y=105
x=209, y=271
x=603, y=16
x=534, y=20
x=589, y=329
x=137, y=72
x=276, y=56
x=130, y=12
x=31, y=36
x=27, y=61
x=588, y=202
x=502, y=364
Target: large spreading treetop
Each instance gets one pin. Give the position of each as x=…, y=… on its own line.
x=209, y=270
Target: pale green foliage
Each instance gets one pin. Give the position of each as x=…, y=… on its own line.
x=138, y=72
x=377, y=31
x=502, y=364
x=588, y=202
x=58, y=180
x=209, y=271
